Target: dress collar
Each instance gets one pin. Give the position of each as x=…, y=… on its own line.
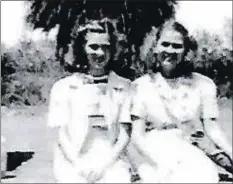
x=88, y=79
x=164, y=89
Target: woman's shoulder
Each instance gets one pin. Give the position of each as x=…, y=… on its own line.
x=143, y=80
x=202, y=80
x=141, y=84
x=71, y=81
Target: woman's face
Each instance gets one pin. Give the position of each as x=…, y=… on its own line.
x=97, y=49
x=170, y=51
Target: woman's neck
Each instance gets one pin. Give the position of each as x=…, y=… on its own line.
x=97, y=72
x=170, y=75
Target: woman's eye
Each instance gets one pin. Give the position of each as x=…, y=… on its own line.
x=165, y=44
x=105, y=47
x=177, y=46
x=94, y=46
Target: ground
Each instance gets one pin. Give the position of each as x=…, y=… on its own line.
x=25, y=130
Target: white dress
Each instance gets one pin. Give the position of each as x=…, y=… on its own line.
x=78, y=99
x=156, y=102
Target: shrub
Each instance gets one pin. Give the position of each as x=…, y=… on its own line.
x=28, y=72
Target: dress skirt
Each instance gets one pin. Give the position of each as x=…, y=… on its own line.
x=177, y=160
x=95, y=151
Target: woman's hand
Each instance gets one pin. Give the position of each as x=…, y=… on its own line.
x=223, y=159
x=97, y=172
x=216, y=134
x=95, y=175
x=94, y=172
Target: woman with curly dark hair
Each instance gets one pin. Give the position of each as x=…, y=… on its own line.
x=92, y=110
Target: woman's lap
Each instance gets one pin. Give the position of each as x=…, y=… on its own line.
x=65, y=172
x=118, y=173
x=178, y=160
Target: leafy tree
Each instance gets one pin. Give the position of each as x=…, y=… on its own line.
x=134, y=19
x=215, y=61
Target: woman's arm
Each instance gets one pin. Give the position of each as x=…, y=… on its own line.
x=71, y=145
x=210, y=114
x=77, y=131
x=58, y=117
x=71, y=128
x=137, y=138
x=67, y=148
x=120, y=144
x=119, y=120
x=215, y=133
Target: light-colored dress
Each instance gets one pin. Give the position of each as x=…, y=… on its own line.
x=80, y=98
x=170, y=112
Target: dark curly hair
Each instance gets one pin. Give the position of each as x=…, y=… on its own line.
x=80, y=62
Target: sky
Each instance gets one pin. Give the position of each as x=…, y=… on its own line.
x=204, y=14
x=209, y=15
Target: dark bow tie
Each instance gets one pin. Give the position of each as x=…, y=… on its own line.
x=95, y=80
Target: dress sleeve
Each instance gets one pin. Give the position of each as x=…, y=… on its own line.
x=138, y=103
x=58, y=106
x=209, y=105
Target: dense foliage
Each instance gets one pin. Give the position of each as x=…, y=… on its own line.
x=27, y=72
x=134, y=18
x=29, y=69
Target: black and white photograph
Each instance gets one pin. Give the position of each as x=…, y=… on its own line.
x=123, y=91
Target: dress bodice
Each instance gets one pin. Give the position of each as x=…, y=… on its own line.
x=188, y=100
